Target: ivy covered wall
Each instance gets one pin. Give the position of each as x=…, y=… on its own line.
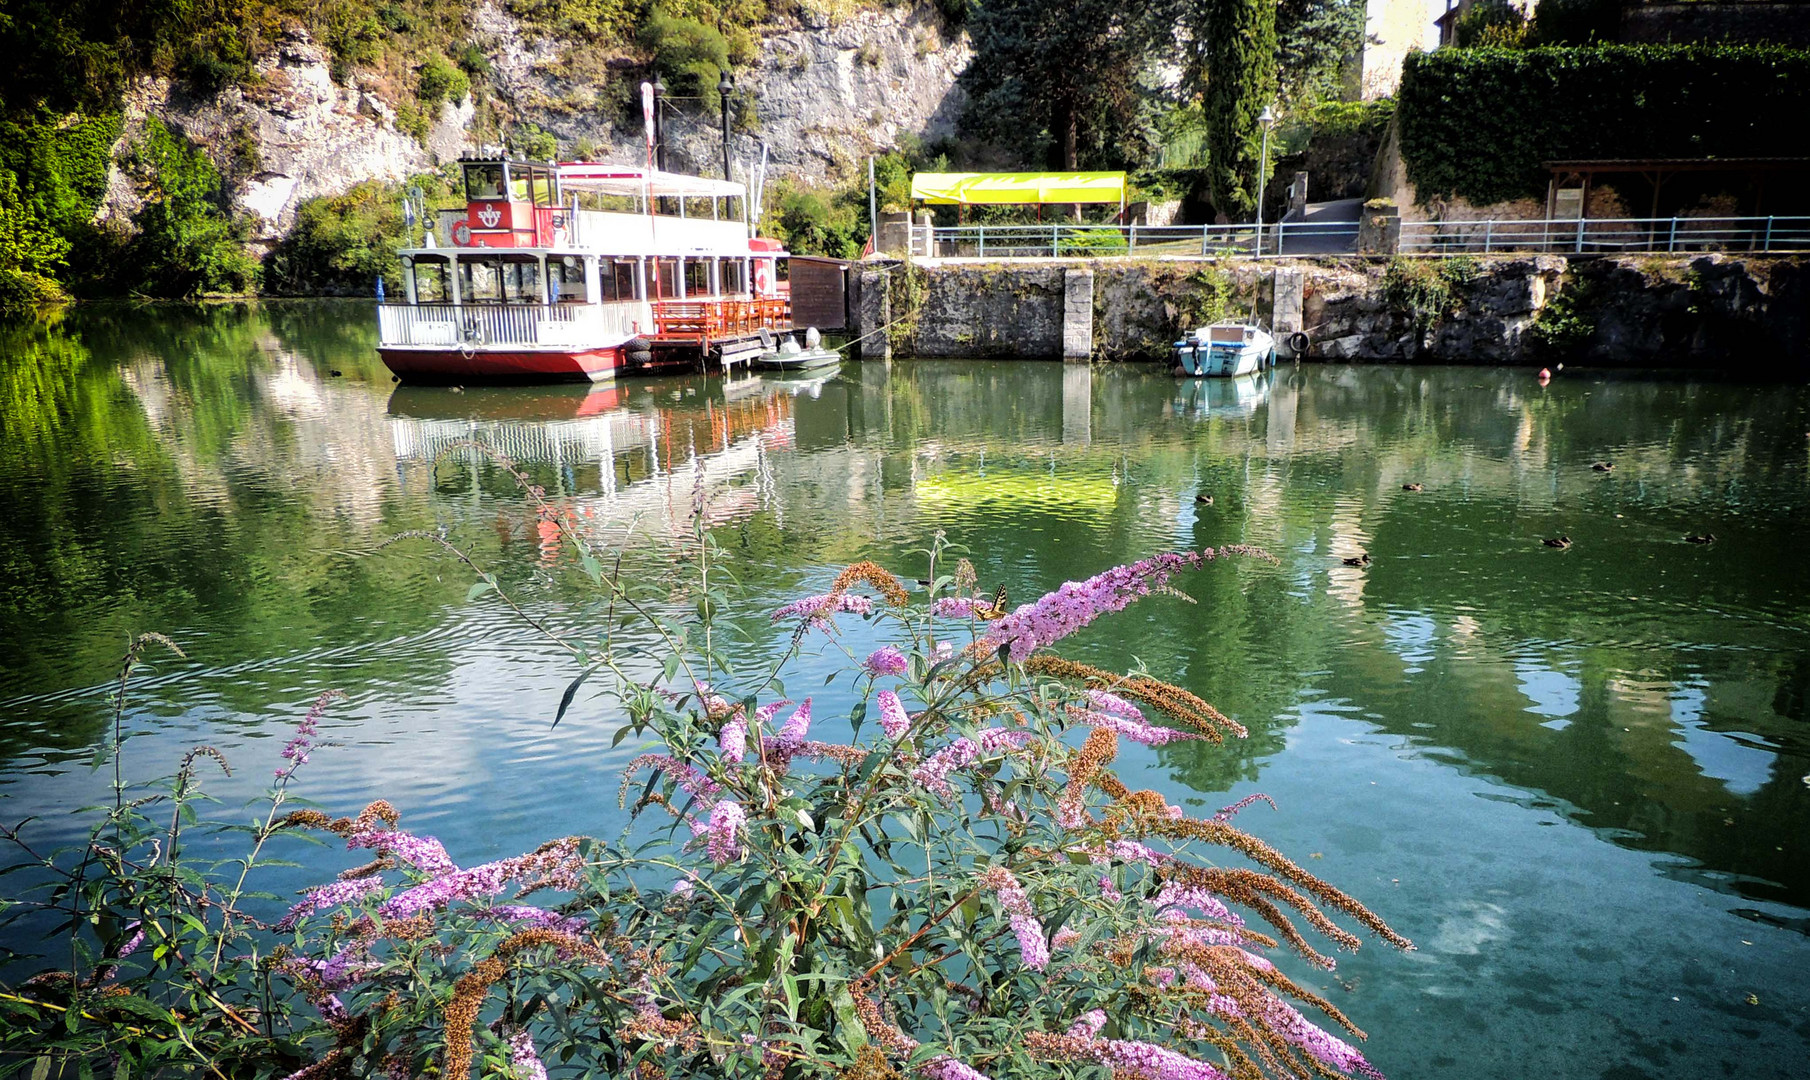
x=1479, y=123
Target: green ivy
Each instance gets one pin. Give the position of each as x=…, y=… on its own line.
x=1427, y=290
x=1480, y=123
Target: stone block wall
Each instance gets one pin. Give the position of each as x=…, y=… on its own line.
x=1709, y=310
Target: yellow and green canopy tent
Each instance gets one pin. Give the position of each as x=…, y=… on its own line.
x=975, y=189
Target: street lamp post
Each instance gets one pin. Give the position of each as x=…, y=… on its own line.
x=1268, y=120
x=723, y=86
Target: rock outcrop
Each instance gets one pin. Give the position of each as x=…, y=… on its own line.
x=824, y=93
x=293, y=135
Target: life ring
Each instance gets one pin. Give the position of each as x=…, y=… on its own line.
x=763, y=277
x=461, y=233
x=1299, y=343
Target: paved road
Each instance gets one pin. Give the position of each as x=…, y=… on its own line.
x=1327, y=228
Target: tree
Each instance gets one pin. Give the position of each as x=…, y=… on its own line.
x=1316, y=41
x=1239, y=58
x=1060, y=79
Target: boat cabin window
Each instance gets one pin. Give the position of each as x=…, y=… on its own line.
x=565, y=279
x=666, y=278
x=618, y=279
x=484, y=181
x=733, y=281
x=1226, y=335
x=532, y=183
x=430, y=280
x=500, y=279
x=697, y=277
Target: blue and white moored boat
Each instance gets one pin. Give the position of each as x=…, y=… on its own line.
x=1225, y=349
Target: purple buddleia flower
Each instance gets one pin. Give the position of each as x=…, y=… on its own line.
x=1032, y=947
x=524, y=1062
x=798, y=725
x=330, y=895
x=690, y=778
x=1114, y=705
x=133, y=942
x=1056, y=615
x=945, y=1067
x=1227, y=813
x=295, y=752
x=816, y=610
x=893, y=719
x=732, y=740
x=956, y=607
x=1174, y=894
x=556, y=865
x=961, y=754
x=424, y=853
x=682, y=888
x=1138, y=731
x=885, y=662
x=722, y=833
x=539, y=917
x=1088, y=1024
x=1154, y=1062
x=345, y=968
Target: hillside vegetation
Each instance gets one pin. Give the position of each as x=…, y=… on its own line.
x=1046, y=86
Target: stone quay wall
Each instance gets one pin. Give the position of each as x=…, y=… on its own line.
x=1748, y=314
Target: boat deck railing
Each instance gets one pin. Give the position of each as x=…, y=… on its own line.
x=542, y=326
x=712, y=319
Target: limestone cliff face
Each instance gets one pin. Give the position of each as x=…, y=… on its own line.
x=294, y=135
x=825, y=94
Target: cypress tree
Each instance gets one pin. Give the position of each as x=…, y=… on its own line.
x=1240, y=69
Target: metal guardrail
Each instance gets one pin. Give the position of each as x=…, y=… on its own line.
x=1103, y=241
x=1570, y=236
x=1603, y=236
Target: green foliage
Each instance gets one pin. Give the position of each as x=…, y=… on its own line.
x=813, y=222
x=341, y=243
x=606, y=21
x=186, y=243
x=1576, y=22
x=31, y=255
x=1339, y=118
x=1490, y=24
x=1567, y=322
x=689, y=55
x=1316, y=40
x=1057, y=81
x=440, y=81
x=1480, y=122
x=1240, y=61
x=1427, y=290
x=533, y=142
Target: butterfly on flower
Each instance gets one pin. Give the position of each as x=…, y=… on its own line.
x=997, y=609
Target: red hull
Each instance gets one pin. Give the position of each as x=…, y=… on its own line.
x=492, y=365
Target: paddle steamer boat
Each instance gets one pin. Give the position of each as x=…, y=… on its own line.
x=576, y=271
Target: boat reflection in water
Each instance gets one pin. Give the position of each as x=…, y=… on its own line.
x=1200, y=399
x=610, y=460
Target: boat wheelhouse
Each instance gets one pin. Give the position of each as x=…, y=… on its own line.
x=577, y=270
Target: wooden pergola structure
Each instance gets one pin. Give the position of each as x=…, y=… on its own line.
x=1658, y=171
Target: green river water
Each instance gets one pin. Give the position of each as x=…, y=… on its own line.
x=1576, y=778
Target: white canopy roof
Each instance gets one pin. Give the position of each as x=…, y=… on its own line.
x=630, y=180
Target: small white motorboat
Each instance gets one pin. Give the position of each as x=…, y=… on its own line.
x=789, y=355
x=1225, y=349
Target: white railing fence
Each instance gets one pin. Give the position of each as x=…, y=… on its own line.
x=1608, y=235
x=547, y=326
x=1058, y=240
x=1589, y=236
